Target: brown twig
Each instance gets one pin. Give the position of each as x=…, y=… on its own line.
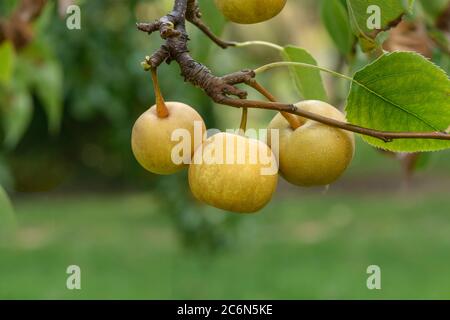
x=221, y=90
x=385, y=136
x=172, y=28
x=294, y=122
x=194, y=16
x=17, y=28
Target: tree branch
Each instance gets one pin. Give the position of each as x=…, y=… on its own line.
x=386, y=136
x=193, y=15
x=172, y=28
x=293, y=121
x=18, y=27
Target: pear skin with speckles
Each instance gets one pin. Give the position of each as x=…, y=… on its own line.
x=152, y=142
x=234, y=173
x=314, y=154
x=250, y=11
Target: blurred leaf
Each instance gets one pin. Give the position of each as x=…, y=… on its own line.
x=37, y=51
x=7, y=57
x=391, y=11
x=308, y=81
x=442, y=40
x=7, y=6
x=336, y=21
x=215, y=21
x=401, y=91
x=424, y=161
x=6, y=176
x=17, y=114
x=434, y=7
x=49, y=89
x=211, y=16
x=43, y=22
x=39, y=70
x=7, y=221
x=443, y=60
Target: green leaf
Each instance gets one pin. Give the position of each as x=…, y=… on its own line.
x=7, y=56
x=391, y=11
x=7, y=220
x=49, y=89
x=434, y=7
x=336, y=20
x=17, y=114
x=401, y=91
x=308, y=81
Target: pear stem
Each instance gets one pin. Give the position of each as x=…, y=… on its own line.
x=274, y=65
x=293, y=120
x=243, y=126
x=161, y=108
x=258, y=43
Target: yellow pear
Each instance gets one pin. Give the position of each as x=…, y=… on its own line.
x=314, y=154
x=234, y=173
x=250, y=11
x=151, y=138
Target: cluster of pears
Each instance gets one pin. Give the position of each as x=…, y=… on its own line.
x=250, y=11
x=312, y=154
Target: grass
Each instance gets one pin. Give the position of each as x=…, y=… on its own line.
x=300, y=247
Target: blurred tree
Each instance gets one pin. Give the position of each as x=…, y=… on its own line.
x=72, y=96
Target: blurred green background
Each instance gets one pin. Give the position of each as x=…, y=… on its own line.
x=80, y=197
